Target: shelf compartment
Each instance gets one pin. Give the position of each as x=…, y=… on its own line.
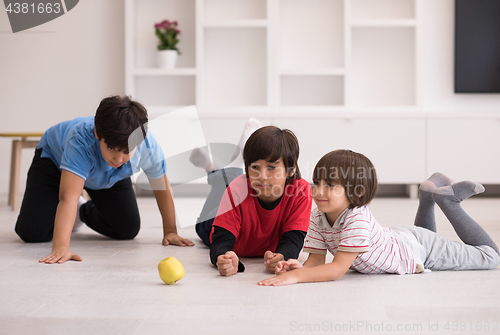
x=229, y=10
x=312, y=90
x=165, y=90
x=383, y=67
x=149, y=12
x=383, y=9
x=235, y=67
x=311, y=33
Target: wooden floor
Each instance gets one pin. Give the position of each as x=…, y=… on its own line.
x=117, y=290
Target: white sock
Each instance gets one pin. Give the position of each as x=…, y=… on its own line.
x=200, y=157
x=251, y=125
x=78, y=222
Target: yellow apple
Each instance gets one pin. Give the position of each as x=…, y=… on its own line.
x=171, y=270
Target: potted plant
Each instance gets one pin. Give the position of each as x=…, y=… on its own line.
x=167, y=34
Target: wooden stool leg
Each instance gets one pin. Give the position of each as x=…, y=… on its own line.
x=15, y=171
x=12, y=173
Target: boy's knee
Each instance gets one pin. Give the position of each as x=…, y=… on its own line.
x=33, y=229
x=127, y=236
x=491, y=258
x=203, y=229
x=33, y=237
x=496, y=261
x=133, y=227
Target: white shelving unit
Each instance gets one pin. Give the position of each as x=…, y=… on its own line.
x=275, y=57
x=349, y=66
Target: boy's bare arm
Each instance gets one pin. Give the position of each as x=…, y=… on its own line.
x=164, y=198
x=71, y=187
x=320, y=273
x=314, y=260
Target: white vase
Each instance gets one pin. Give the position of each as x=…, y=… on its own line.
x=167, y=59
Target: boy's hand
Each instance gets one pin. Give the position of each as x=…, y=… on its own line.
x=288, y=265
x=60, y=255
x=173, y=238
x=227, y=264
x=281, y=279
x=271, y=259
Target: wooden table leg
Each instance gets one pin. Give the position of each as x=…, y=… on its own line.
x=15, y=171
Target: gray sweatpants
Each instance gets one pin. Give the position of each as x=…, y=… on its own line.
x=439, y=253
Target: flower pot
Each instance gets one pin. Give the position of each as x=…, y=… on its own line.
x=167, y=59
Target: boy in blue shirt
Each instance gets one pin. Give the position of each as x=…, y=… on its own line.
x=98, y=154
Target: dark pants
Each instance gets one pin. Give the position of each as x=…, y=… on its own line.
x=219, y=180
x=112, y=212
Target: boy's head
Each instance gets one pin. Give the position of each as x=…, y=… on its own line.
x=270, y=156
x=351, y=170
x=117, y=118
x=120, y=126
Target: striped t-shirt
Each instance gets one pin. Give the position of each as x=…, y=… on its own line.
x=381, y=250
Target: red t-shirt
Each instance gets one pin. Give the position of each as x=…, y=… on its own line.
x=255, y=228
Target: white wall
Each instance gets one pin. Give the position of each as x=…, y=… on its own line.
x=58, y=71
x=437, y=64
x=63, y=68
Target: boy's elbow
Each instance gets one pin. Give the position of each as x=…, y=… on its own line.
x=335, y=273
x=67, y=199
x=336, y=277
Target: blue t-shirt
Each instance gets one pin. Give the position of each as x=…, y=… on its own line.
x=72, y=146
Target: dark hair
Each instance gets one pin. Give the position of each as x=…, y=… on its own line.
x=353, y=171
x=272, y=143
x=117, y=118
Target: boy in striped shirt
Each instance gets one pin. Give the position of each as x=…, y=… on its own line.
x=344, y=184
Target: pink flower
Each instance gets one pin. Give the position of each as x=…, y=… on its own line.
x=166, y=24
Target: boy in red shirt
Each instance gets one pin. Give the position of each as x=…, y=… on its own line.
x=264, y=212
